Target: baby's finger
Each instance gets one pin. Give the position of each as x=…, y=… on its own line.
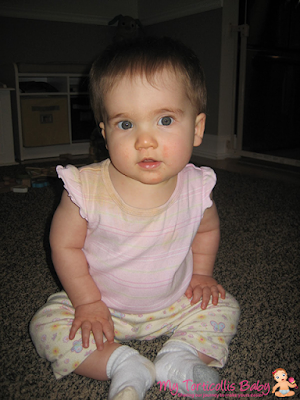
x=222, y=291
x=108, y=330
x=197, y=294
x=97, y=330
x=74, y=328
x=86, y=328
x=205, y=297
x=189, y=292
x=215, y=295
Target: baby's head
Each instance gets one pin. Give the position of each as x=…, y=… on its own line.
x=146, y=58
x=279, y=374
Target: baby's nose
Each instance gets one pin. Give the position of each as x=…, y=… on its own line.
x=145, y=140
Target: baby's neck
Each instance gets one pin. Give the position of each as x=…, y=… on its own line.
x=143, y=196
x=148, y=196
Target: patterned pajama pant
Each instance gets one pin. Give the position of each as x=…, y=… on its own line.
x=209, y=331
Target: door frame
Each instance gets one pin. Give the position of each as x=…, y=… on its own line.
x=243, y=31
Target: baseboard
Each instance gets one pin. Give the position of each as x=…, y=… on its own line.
x=213, y=147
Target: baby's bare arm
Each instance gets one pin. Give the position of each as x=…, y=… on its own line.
x=204, y=248
x=67, y=237
x=275, y=387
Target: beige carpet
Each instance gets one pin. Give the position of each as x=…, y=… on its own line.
x=258, y=263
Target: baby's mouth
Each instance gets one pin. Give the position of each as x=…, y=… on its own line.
x=149, y=163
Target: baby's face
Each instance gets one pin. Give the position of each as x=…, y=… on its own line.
x=151, y=128
x=280, y=376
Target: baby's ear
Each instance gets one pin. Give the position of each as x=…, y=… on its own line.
x=199, y=129
x=103, y=133
x=102, y=127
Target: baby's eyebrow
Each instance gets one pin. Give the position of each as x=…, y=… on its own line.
x=153, y=113
x=118, y=116
x=177, y=111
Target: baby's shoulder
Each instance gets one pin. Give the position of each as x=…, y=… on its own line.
x=93, y=168
x=92, y=171
x=205, y=174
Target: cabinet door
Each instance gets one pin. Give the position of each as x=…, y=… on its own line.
x=45, y=121
x=82, y=118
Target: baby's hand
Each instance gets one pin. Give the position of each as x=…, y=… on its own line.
x=96, y=318
x=204, y=286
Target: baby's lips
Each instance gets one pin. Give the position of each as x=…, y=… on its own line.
x=148, y=160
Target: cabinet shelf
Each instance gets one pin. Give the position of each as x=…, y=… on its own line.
x=52, y=109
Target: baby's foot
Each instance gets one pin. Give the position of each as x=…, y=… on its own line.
x=179, y=364
x=208, y=376
x=129, y=393
x=131, y=374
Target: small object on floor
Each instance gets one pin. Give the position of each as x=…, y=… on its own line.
x=20, y=189
x=40, y=183
x=19, y=185
x=24, y=180
x=8, y=181
x=35, y=172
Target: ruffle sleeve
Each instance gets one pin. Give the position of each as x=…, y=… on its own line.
x=209, y=180
x=70, y=176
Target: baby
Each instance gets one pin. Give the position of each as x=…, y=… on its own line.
x=135, y=237
x=282, y=384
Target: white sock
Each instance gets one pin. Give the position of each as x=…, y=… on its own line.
x=178, y=362
x=131, y=374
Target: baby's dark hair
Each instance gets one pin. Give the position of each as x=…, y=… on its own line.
x=146, y=57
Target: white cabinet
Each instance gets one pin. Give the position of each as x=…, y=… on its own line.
x=52, y=110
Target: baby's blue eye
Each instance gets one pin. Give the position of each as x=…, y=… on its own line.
x=125, y=125
x=165, y=121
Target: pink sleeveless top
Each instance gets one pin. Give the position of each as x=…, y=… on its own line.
x=141, y=260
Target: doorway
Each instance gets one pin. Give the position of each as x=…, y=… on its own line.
x=268, y=110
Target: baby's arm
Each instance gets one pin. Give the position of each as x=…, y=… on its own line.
x=67, y=237
x=275, y=387
x=204, y=248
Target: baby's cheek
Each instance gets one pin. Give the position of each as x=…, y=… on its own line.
x=120, y=150
x=172, y=150
x=176, y=153
x=166, y=151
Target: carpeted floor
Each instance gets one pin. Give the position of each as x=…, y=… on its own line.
x=258, y=262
